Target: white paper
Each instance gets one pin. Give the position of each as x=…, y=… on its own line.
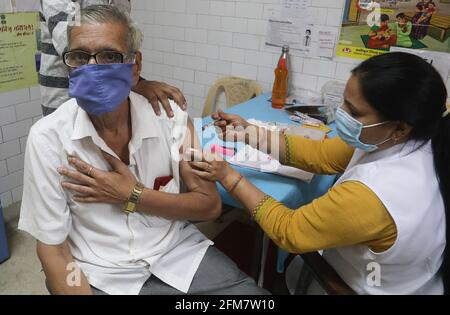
x=440, y=60
x=327, y=42
x=299, y=37
x=308, y=133
x=283, y=33
x=249, y=157
x=297, y=10
x=272, y=12
x=296, y=4
x=293, y=25
x=5, y=6
x=27, y=5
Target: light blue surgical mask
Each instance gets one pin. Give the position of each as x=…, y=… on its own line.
x=349, y=129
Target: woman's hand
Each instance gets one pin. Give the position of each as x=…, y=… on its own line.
x=97, y=186
x=213, y=168
x=234, y=128
x=160, y=92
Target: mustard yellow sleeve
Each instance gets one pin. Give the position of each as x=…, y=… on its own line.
x=348, y=214
x=329, y=156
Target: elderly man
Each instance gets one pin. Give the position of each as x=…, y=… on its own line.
x=141, y=243
x=55, y=16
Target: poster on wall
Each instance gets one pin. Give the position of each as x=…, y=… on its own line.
x=370, y=28
x=18, y=49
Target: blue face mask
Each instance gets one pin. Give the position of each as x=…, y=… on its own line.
x=349, y=129
x=100, y=89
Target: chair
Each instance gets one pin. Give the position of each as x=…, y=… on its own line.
x=237, y=90
x=315, y=267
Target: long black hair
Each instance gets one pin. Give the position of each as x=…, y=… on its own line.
x=404, y=87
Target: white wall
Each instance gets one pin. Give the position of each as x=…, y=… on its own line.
x=188, y=43
x=191, y=43
x=18, y=111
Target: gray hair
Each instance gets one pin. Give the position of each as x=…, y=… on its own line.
x=96, y=14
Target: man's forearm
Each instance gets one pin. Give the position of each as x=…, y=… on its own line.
x=64, y=277
x=139, y=88
x=194, y=206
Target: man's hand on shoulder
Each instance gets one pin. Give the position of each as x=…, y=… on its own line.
x=160, y=92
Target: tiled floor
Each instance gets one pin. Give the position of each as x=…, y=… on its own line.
x=21, y=274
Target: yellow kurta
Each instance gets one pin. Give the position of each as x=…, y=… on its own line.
x=349, y=214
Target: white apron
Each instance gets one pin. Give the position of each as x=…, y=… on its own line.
x=404, y=179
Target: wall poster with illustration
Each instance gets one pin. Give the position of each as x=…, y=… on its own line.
x=370, y=28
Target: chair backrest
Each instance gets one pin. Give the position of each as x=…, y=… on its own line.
x=316, y=267
x=237, y=90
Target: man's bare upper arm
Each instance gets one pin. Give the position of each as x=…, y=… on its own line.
x=192, y=181
x=46, y=251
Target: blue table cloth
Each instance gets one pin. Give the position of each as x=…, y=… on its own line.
x=4, y=253
x=291, y=192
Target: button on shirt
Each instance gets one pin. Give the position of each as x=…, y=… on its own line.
x=116, y=251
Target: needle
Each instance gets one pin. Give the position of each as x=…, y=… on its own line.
x=210, y=124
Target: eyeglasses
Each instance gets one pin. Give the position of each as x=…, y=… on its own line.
x=78, y=58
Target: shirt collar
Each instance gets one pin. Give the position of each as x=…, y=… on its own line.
x=143, y=122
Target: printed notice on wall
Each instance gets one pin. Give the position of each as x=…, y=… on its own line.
x=18, y=50
x=327, y=41
x=293, y=25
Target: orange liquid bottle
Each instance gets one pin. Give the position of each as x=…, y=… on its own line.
x=280, y=84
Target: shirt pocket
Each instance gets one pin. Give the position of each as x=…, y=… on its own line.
x=156, y=221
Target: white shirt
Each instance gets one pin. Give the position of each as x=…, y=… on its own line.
x=116, y=251
x=404, y=179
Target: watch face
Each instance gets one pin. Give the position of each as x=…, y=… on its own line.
x=131, y=204
x=129, y=207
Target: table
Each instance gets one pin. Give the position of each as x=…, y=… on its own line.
x=291, y=192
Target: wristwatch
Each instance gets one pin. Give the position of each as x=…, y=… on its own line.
x=132, y=201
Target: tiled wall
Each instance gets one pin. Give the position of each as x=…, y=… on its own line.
x=188, y=43
x=191, y=43
x=18, y=111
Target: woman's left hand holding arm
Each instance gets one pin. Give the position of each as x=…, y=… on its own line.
x=214, y=168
